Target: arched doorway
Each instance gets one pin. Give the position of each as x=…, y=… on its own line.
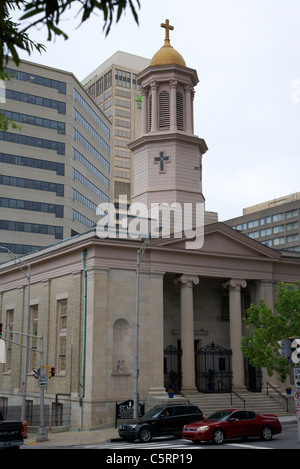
x=213, y=369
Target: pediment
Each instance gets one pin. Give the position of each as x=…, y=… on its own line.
x=220, y=239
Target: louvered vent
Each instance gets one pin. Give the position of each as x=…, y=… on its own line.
x=179, y=110
x=164, y=110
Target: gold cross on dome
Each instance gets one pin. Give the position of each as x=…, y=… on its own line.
x=167, y=27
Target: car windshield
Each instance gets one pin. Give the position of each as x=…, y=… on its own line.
x=152, y=413
x=221, y=415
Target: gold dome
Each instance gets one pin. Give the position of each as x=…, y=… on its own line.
x=167, y=55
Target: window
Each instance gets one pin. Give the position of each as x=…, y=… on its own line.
x=241, y=226
x=33, y=359
x=292, y=226
x=292, y=238
x=91, y=112
x=252, y=223
x=60, y=86
x=108, y=80
x=280, y=240
x=62, y=335
x=78, y=137
x=291, y=213
x=278, y=217
x=58, y=210
x=60, y=127
x=267, y=242
x=9, y=327
x=254, y=234
x=179, y=110
x=266, y=232
x=278, y=229
x=57, y=231
x=265, y=220
x=33, y=141
x=86, y=182
x=135, y=82
x=164, y=110
x=60, y=106
x=122, y=78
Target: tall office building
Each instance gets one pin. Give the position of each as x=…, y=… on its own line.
x=275, y=223
x=54, y=170
x=115, y=89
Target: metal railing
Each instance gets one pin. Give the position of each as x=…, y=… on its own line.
x=233, y=393
x=282, y=396
x=239, y=397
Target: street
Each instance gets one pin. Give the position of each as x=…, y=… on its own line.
x=288, y=439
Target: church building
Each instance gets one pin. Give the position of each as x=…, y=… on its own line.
x=93, y=294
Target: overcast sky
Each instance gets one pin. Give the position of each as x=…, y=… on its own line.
x=247, y=103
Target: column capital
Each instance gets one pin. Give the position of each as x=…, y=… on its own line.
x=235, y=284
x=145, y=90
x=173, y=83
x=154, y=84
x=187, y=280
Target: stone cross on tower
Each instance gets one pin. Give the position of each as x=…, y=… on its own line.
x=167, y=27
x=162, y=159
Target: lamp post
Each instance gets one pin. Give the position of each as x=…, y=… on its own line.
x=27, y=275
x=140, y=254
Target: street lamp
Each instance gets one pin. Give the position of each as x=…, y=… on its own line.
x=140, y=254
x=27, y=275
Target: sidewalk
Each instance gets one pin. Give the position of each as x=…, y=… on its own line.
x=90, y=437
x=70, y=438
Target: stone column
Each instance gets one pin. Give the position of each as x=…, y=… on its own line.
x=188, y=109
x=145, y=127
x=235, y=314
x=154, y=113
x=187, y=332
x=266, y=293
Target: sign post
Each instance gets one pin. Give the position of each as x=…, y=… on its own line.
x=2, y=351
x=296, y=370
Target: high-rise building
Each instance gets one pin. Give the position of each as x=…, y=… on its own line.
x=55, y=169
x=275, y=223
x=115, y=89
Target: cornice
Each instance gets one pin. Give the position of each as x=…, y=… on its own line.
x=165, y=137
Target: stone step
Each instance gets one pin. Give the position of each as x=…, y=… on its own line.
x=259, y=402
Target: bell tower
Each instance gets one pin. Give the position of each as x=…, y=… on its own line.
x=168, y=156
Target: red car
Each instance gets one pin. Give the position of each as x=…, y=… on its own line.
x=232, y=423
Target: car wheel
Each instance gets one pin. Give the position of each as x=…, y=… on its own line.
x=218, y=436
x=266, y=433
x=145, y=435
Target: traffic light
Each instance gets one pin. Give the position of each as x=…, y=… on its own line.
x=295, y=350
x=285, y=348
x=51, y=372
x=290, y=349
x=0, y=330
x=36, y=372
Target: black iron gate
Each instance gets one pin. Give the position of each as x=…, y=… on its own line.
x=213, y=369
x=172, y=368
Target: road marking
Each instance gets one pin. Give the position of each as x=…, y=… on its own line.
x=239, y=445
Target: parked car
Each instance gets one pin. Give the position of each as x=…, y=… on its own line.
x=12, y=433
x=160, y=421
x=232, y=423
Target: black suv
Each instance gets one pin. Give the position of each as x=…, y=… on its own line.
x=160, y=421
